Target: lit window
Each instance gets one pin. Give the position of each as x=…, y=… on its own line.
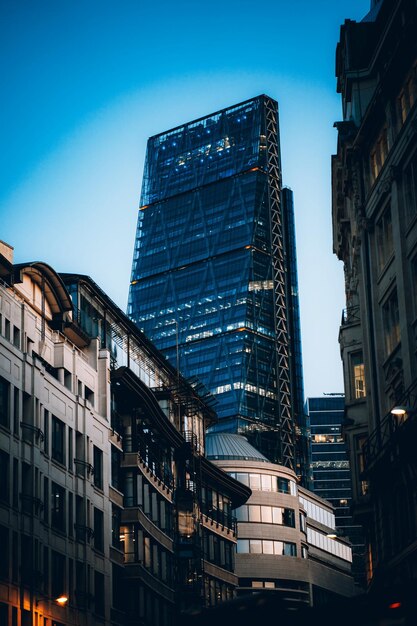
x=358, y=375
x=407, y=96
x=378, y=153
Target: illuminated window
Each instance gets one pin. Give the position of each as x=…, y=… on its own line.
x=407, y=96
x=378, y=153
x=358, y=375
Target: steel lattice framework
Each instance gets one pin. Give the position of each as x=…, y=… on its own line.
x=279, y=278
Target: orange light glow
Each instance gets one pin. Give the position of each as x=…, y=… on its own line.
x=62, y=600
x=395, y=605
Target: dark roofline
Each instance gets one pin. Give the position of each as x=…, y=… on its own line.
x=205, y=117
x=54, y=280
x=145, y=342
x=238, y=492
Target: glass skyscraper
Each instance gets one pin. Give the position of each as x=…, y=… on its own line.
x=331, y=471
x=212, y=284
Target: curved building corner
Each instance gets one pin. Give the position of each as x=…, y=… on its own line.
x=287, y=541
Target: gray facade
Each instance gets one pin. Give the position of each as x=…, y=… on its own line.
x=109, y=511
x=374, y=180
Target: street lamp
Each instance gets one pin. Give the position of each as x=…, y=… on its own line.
x=399, y=411
x=62, y=600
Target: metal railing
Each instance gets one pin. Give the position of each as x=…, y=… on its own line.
x=381, y=438
x=351, y=315
x=219, y=516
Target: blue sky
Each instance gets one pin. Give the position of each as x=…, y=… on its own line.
x=86, y=82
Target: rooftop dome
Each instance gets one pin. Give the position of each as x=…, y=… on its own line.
x=222, y=446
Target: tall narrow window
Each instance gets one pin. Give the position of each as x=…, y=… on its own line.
x=58, y=440
x=410, y=188
x=358, y=375
x=378, y=153
x=4, y=477
x=391, y=322
x=98, y=530
x=408, y=96
x=115, y=468
x=46, y=431
x=16, y=412
x=98, y=467
x=99, y=593
x=384, y=242
x=70, y=449
x=57, y=507
x=58, y=586
x=4, y=402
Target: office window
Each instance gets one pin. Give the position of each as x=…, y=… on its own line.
x=70, y=514
x=358, y=375
x=89, y=396
x=80, y=584
x=410, y=188
x=57, y=574
x=98, y=530
x=115, y=468
x=7, y=328
x=57, y=507
x=4, y=402
x=116, y=515
x=4, y=477
x=384, y=242
x=16, y=337
x=408, y=96
x=15, y=484
x=16, y=412
x=391, y=322
x=58, y=440
x=288, y=518
x=118, y=587
x=70, y=449
x=99, y=593
x=378, y=154
x=414, y=283
x=46, y=431
x=98, y=467
x=283, y=485
x=4, y=552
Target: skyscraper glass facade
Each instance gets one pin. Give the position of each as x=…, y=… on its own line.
x=209, y=275
x=331, y=470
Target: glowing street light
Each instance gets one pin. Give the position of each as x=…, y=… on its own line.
x=62, y=600
x=399, y=410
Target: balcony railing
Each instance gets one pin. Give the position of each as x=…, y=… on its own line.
x=381, y=438
x=351, y=315
x=219, y=516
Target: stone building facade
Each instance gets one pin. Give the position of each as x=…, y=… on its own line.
x=374, y=181
x=109, y=512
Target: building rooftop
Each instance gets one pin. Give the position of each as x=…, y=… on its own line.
x=222, y=446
